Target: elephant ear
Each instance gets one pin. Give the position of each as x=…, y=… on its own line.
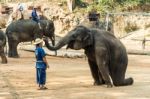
x=88, y=39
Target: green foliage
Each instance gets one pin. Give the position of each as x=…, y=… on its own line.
x=78, y=2
x=64, y=1
x=124, y=1
x=116, y=5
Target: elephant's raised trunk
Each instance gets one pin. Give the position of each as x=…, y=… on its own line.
x=53, y=40
x=65, y=40
x=53, y=48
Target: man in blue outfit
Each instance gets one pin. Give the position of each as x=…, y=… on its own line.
x=41, y=64
x=35, y=17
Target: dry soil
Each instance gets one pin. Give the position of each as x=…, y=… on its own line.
x=69, y=79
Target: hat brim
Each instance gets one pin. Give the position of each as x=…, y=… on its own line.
x=38, y=42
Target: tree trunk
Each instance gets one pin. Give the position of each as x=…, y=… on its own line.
x=71, y=5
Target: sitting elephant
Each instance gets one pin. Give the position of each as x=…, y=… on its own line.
x=2, y=44
x=27, y=30
x=107, y=56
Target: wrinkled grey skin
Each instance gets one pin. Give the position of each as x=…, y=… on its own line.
x=107, y=56
x=2, y=45
x=27, y=30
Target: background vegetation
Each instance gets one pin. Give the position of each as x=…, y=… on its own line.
x=117, y=5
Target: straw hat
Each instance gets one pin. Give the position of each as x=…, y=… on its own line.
x=37, y=41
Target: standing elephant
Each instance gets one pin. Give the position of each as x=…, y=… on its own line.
x=107, y=56
x=27, y=30
x=2, y=44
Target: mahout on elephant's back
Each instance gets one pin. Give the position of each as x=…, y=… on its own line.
x=107, y=56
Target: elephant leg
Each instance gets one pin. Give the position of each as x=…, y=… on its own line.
x=119, y=77
x=2, y=54
x=10, y=49
x=100, y=77
x=13, y=49
x=102, y=62
x=4, y=59
x=95, y=73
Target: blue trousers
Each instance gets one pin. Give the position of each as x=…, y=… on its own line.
x=35, y=19
x=41, y=76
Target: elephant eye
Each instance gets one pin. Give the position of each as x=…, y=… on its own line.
x=73, y=36
x=79, y=39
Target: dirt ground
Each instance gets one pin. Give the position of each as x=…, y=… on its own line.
x=69, y=79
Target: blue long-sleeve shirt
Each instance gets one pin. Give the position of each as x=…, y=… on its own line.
x=34, y=15
x=40, y=53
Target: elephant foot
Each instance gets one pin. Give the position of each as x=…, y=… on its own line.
x=5, y=62
x=102, y=81
x=128, y=81
x=109, y=86
x=4, y=59
x=14, y=56
x=96, y=83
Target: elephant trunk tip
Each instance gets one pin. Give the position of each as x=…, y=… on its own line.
x=48, y=45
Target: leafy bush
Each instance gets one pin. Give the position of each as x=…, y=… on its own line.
x=115, y=5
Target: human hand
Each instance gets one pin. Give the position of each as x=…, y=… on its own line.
x=47, y=66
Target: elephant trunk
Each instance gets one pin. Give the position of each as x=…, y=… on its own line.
x=65, y=40
x=53, y=40
x=4, y=59
x=59, y=45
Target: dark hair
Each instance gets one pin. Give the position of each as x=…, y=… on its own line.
x=34, y=9
x=37, y=45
